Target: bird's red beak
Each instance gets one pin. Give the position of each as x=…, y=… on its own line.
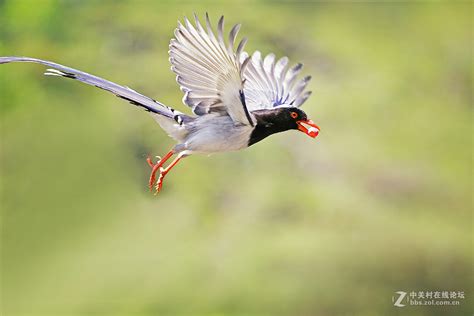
x=308, y=127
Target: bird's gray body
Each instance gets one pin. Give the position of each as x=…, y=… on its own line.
x=207, y=134
x=216, y=133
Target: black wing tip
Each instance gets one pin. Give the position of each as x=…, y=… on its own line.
x=244, y=105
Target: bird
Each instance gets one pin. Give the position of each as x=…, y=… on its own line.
x=237, y=98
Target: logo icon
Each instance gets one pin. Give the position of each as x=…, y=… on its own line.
x=399, y=300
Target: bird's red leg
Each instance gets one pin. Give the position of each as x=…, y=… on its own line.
x=156, y=167
x=163, y=173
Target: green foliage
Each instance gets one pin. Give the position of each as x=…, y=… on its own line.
x=379, y=202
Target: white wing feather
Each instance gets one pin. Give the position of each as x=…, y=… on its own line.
x=208, y=70
x=270, y=83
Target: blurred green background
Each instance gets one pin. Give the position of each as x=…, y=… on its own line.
x=380, y=202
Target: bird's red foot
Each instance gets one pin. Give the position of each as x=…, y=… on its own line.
x=156, y=167
x=164, y=172
x=159, y=183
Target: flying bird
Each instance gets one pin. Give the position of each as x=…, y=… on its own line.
x=237, y=99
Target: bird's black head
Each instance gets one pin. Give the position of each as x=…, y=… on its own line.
x=271, y=121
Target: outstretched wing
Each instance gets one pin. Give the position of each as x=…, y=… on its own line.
x=208, y=70
x=270, y=83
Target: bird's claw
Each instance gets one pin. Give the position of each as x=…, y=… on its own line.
x=150, y=162
x=159, y=183
x=151, y=182
x=154, y=184
x=154, y=168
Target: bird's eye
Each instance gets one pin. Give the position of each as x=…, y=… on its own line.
x=294, y=115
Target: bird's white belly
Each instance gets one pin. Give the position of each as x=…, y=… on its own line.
x=218, y=134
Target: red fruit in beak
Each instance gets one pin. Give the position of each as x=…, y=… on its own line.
x=308, y=127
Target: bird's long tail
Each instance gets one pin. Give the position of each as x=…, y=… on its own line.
x=122, y=92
